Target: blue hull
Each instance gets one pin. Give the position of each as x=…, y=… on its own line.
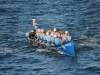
x=67, y=48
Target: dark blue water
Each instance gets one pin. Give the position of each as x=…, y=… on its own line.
x=80, y=17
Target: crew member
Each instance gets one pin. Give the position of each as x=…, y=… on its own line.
x=66, y=37
x=34, y=24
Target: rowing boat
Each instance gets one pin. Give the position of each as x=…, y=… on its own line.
x=66, y=48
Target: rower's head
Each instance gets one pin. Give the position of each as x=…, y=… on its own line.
x=41, y=30
x=60, y=31
x=61, y=34
x=67, y=33
x=34, y=20
x=47, y=33
x=50, y=28
x=44, y=33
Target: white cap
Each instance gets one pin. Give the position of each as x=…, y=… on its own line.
x=33, y=19
x=54, y=29
x=66, y=32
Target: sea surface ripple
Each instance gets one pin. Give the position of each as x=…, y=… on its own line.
x=80, y=17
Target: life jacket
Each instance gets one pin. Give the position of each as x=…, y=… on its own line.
x=37, y=27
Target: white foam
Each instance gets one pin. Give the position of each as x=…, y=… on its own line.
x=23, y=33
x=19, y=32
x=27, y=34
x=61, y=52
x=40, y=50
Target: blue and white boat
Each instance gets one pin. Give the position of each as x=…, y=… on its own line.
x=66, y=48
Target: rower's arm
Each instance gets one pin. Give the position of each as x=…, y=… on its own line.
x=63, y=40
x=34, y=24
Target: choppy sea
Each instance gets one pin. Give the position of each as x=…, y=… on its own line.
x=80, y=17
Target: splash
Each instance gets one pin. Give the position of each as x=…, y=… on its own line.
x=23, y=33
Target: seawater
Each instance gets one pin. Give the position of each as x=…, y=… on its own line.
x=80, y=17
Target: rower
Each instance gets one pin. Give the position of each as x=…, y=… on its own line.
x=60, y=31
x=52, y=37
x=66, y=37
x=57, y=40
x=44, y=37
x=38, y=34
x=48, y=37
x=50, y=30
x=53, y=34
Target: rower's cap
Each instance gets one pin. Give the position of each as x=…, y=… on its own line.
x=66, y=32
x=33, y=19
x=54, y=29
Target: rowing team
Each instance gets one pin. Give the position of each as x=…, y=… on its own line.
x=55, y=36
